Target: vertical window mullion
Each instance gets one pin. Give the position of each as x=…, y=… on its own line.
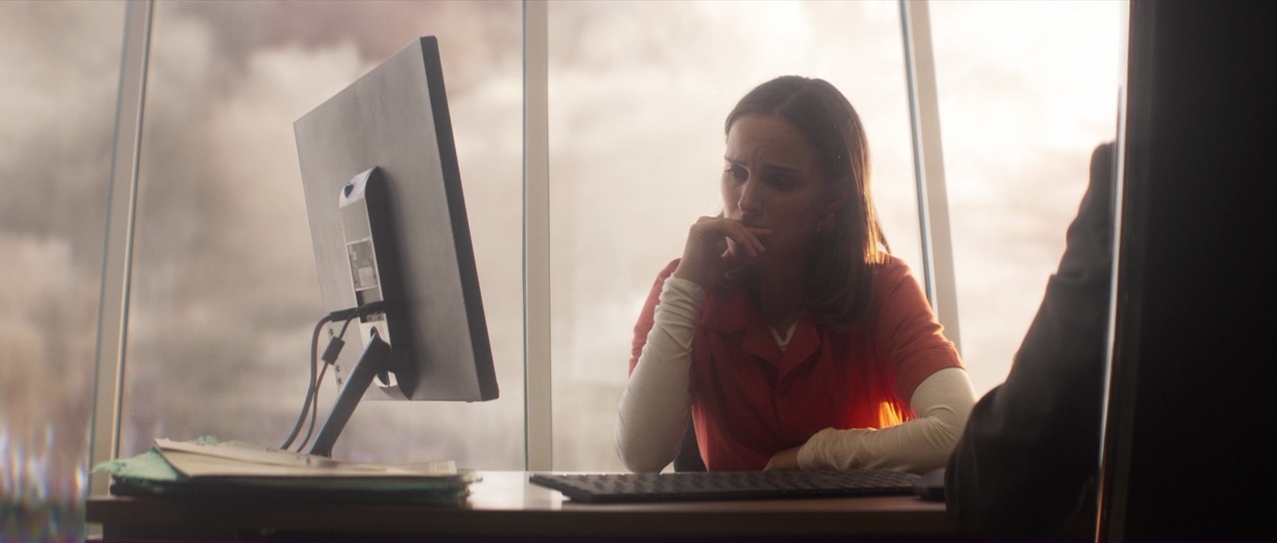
x=538, y=412
x=113, y=305
x=933, y=201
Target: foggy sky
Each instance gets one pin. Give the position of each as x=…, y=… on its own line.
x=224, y=287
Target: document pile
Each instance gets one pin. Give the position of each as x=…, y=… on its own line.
x=205, y=467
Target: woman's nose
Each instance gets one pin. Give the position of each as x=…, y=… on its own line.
x=749, y=196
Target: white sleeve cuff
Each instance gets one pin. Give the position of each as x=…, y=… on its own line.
x=942, y=403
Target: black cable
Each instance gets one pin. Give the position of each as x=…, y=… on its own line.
x=311, y=403
x=312, y=386
x=314, y=405
x=314, y=410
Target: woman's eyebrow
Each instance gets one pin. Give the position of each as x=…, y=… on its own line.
x=779, y=168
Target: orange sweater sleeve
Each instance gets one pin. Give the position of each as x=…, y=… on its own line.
x=908, y=334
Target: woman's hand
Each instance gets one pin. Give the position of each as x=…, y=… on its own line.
x=786, y=459
x=705, y=259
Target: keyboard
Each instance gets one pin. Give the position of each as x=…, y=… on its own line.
x=725, y=485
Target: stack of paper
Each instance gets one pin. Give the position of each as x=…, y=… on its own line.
x=206, y=467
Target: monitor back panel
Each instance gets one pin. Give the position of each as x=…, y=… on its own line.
x=396, y=118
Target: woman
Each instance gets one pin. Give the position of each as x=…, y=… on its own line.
x=786, y=331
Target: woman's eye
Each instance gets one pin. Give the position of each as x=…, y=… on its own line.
x=780, y=182
x=737, y=173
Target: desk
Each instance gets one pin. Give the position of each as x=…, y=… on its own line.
x=504, y=505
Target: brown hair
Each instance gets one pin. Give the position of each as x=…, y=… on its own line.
x=841, y=277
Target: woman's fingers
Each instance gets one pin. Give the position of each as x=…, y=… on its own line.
x=748, y=239
x=742, y=241
x=745, y=241
x=705, y=260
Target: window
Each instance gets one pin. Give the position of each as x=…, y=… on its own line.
x=1026, y=91
x=638, y=95
x=223, y=293
x=57, y=101
x=224, y=288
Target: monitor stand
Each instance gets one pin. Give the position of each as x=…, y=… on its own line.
x=374, y=360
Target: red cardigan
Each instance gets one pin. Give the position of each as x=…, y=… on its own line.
x=750, y=400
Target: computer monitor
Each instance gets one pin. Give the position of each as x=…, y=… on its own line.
x=390, y=233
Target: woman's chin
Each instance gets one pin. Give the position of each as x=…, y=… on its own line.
x=754, y=261
x=744, y=262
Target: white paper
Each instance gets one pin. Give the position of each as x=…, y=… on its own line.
x=238, y=459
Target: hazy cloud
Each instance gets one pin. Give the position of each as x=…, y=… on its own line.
x=61, y=72
x=224, y=290
x=476, y=35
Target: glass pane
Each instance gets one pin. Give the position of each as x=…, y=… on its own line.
x=225, y=291
x=57, y=101
x=638, y=95
x=1027, y=90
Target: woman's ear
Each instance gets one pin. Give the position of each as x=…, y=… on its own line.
x=826, y=223
x=839, y=199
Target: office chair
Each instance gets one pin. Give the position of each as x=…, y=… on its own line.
x=689, y=456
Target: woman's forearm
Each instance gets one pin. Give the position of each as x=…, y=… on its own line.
x=942, y=403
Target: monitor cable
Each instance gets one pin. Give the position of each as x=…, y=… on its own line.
x=311, y=404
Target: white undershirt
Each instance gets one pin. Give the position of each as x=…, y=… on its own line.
x=655, y=406
x=783, y=341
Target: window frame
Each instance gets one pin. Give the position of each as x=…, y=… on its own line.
x=538, y=409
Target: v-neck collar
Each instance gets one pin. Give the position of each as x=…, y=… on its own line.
x=729, y=311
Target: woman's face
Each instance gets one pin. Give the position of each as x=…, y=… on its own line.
x=771, y=180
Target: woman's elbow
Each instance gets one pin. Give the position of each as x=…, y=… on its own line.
x=637, y=454
x=642, y=461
